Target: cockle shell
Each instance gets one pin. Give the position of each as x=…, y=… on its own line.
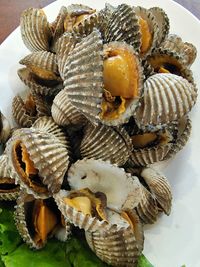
x=104, y=18
x=43, y=60
x=63, y=47
x=106, y=143
x=22, y=115
x=167, y=98
x=119, y=248
x=64, y=113
x=85, y=90
x=121, y=189
x=5, y=129
x=47, y=125
x=123, y=26
x=148, y=16
x=35, y=30
x=7, y=176
x=163, y=23
x=184, y=130
x=187, y=51
x=37, y=88
x=159, y=188
x=25, y=226
x=49, y=156
x=87, y=222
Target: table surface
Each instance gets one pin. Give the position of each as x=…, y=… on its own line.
x=14, y=8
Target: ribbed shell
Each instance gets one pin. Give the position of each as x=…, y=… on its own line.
x=106, y=143
x=84, y=75
x=47, y=125
x=160, y=53
x=104, y=18
x=159, y=187
x=64, y=113
x=167, y=98
x=121, y=189
x=147, y=208
x=25, y=75
x=153, y=26
x=163, y=23
x=49, y=156
x=119, y=248
x=184, y=131
x=64, y=46
x=5, y=129
x=187, y=51
x=41, y=59
x=87, y=222
x=35, y=31
x=22, y=116
x=124, y=26
x=6, y=171
x=149, y=155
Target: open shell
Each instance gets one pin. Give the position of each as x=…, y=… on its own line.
x=163, y=23
x=36, y=87
x=22, y=113
x=167, y=98
x=153, y=26
x=35, y=31
x=48, y=155
x=85, y=90
x=64, y=113
x=119, y=248
x=106, y=143
x=24, y=221
x=129, y=33
x=8, y=189
x=121, y=189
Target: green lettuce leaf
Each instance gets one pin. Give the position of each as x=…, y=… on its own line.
x=73, y=253
x=9, y=237
x=143, y=262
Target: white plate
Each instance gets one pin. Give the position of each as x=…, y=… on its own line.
x=174, y=240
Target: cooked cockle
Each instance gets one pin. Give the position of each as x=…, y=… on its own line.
x=8, y=189
x=40, y=160
x=41, y=73
x=35, y=30
x=167, y=98
x=5, y=129
x=105, y=143
x=25, y=112
x=167, y=61
x=150, y=147
x=121, y=189
x=80, y=19
x=156, y=194
x=38, y=219
x=187, y=51
x=89, y=211
x=104, y=91
x=119, y=248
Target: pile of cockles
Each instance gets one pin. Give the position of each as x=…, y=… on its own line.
x=108, y=94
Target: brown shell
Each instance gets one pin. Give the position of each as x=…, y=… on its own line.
x=35, y=31
x=7, y=177
x=123, y=26
x=167, y=98
x=49, y=156
x=51, y=90
x=119, y=248
x=159, y=188
x=5, y=129
x=64, y=113
x=106, y=143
